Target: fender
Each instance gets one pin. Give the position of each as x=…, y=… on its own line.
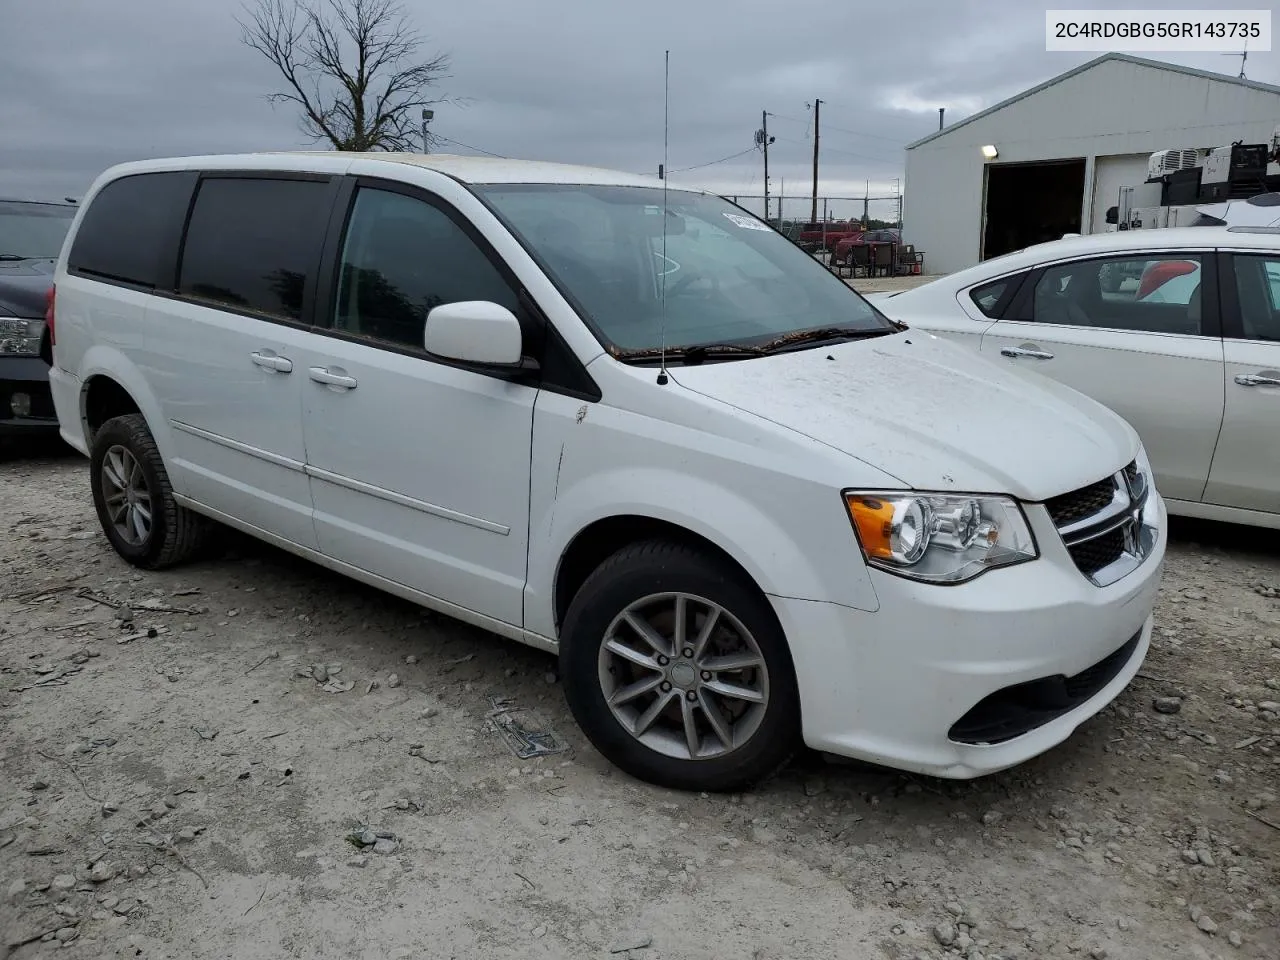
x=105, y=360
x=752, y=535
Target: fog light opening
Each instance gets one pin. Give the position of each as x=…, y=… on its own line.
x=20, y=404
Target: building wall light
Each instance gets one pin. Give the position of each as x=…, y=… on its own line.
x=990, y=152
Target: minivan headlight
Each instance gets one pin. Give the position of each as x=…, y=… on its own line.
x=20, y=337
x=937, y=537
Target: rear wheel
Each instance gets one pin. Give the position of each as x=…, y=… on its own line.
x=134, y=499
x=677, y=670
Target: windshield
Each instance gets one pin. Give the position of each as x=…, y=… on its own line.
x=729, y=278
x=33, y=231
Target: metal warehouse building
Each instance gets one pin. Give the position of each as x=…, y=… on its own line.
x=1063, y=149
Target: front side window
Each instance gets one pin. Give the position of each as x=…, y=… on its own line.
x=723, y=278
x=1258, y=293
x=400, y=258
x=1159, y=294
x=252, y=242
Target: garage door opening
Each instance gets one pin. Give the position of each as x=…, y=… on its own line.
x=1030, y=203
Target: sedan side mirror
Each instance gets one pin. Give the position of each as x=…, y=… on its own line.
x=474, y=331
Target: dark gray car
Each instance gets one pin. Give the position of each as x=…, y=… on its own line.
x=31, y=235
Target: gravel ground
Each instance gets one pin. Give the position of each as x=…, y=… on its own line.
x=175, y=782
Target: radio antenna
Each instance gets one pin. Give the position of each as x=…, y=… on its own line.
x=662, y=292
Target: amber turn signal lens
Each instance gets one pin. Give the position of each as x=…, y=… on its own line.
x=873, y=519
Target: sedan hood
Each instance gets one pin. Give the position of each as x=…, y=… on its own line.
x=929, y=413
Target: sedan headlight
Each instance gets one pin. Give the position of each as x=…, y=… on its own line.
x=939, y=537
x=20, y=337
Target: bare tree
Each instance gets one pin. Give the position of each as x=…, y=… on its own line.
x=353, y=67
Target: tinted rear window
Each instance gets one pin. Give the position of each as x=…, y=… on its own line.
x=130, y=229
x=252, y=243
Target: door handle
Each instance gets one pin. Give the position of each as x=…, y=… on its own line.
x=1257, y=380
x=1016, y=352
x=271, y=361
x=333, y=379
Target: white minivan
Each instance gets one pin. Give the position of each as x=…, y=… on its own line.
x=629, y=425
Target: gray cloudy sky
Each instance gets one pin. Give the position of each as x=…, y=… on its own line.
x=88, y=83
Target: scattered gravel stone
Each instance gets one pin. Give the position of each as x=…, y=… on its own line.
x=992, y=817
x=125, y=907
x=954, y=908
x=110, y=807
x=411, y=659
x=393, y=681
x=1270, y=705
x=945, y=934
x=1098, y=953
x=549, y=677
x=1235, y=939
x=1206, y=858
x=1166, y=704
x=186, y=835
x=99, y=915
x=384, y=846
x=64, y=881
x=108, y=902
x=1206, y=923
x=39, y=785
x=359, y=860
x=430, y=712
x=1191, y=856
x=102, y=872
x=66, y=934
x=17, y=890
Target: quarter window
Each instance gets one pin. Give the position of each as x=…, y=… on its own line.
x=988, y=296
x=402, y=257
x=129, y=231
x=252, y=243
x=1258, y=290
x=1147, y=294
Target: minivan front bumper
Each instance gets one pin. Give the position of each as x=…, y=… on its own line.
x=963, y=681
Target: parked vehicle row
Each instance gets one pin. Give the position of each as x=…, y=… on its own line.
x=1178, y=331
x=31, y=234
x=632, y=426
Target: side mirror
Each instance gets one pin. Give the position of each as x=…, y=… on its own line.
x=474, y=331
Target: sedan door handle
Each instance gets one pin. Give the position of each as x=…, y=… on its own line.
x=1257, y=380
x=271, y=361
x=332, y=378
x=1016, y=352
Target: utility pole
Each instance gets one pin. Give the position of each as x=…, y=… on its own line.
x=427, y=117
x=763, y=140
x=782, y=191
x=813, y=210
x=866, y=206
x=941, y=111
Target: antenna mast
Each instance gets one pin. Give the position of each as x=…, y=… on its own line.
x=666, y=127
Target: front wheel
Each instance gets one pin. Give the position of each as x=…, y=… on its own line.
x=678, y=672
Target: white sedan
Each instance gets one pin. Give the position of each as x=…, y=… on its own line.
x=1176, y=330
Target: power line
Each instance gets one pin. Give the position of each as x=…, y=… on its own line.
x=487, y=153
x=711, y=163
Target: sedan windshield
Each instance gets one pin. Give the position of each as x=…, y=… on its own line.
x=716, y=277
x=33, y=231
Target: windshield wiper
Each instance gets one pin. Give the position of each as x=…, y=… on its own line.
x=820, y=335
x=692, y=355
x=13, y=256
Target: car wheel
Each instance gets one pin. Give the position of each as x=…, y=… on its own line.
x=677, y=670
x=134, y=499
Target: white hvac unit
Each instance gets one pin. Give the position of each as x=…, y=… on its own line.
x=1163, y=162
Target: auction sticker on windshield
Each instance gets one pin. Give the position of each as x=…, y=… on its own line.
x=746, y=223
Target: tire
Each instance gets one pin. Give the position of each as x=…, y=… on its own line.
x=643, y=578
x=174, y=533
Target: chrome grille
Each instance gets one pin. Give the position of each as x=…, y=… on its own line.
x=1102, y=525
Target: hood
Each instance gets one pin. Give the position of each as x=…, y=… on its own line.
x=24, y=285
x=931, y=414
